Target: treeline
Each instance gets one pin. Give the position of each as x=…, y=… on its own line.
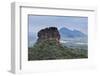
x=48, y=50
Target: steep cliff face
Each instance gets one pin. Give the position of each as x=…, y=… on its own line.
x=49, y=34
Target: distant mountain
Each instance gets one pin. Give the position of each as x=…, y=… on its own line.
x=67, y=33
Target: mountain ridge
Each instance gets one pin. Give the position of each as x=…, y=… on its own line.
x=67, y=33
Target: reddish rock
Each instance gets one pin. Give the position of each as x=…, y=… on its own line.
x=50, y=33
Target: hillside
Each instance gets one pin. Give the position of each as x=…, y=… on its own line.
x=49, y=50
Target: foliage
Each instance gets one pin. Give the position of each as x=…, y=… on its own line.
x=47, y=50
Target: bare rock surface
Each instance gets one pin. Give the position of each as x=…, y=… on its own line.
x=48, y=34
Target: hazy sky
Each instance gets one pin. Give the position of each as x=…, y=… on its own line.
x=38, y=22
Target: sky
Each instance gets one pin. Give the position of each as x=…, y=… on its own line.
x=38, y=22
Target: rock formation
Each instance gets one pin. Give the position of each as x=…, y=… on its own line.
x=48, y=34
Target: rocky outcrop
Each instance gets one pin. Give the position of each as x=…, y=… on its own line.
x=48, y=34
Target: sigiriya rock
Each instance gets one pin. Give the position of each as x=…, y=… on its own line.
x=49, y=34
